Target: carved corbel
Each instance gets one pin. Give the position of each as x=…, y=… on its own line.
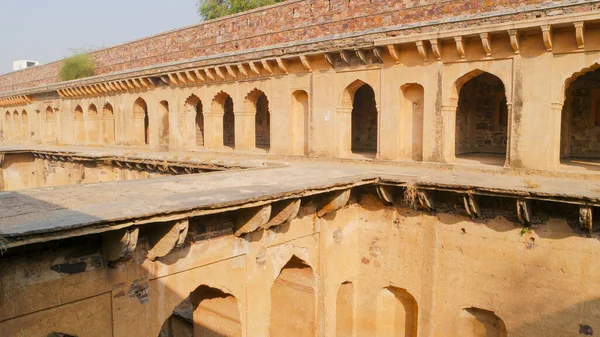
x=149, y=83
x=345, y=55
x=329, y=59
x=460, y=46
x=281, y=64
x=386, y=194
x=585, y=218
x=251, y=219
x=130, y=85
x=579, y=33
x=378, y=55
x=435, y=49
x=254, y=68
x=514, y=40
x=242, y=70
x=547, y=36
x=283, y=212
x=173, y=80
x=394, y=53
x=209, y=74
x=471, y=205
x=165, y=79
x=361, y=56
x=421, y=49
x=231, y=72
x=220, y=73
x=201, y=75
x=524, y=212
x=332, y=202
x=191, y=76
x=305, y=63
x=486, y=43
x=60, y=93
x=119, y=245
x=166, y=238
x=267, y=66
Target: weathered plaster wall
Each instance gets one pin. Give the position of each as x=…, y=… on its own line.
x=442, y=274
x=20, y=171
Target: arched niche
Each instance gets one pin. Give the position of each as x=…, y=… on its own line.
x=580, y=119
x=79, y=130
x=475, y=322
x=141, y=122
x=344, y=310
x=293, y=301
x=108, y=124
x=223, y=104
x=193, y=107
x=481, y=124
x=412, y=107
x=163, y=127
x=397, y=313
x=207, y=312
x=300, y=123
x=256, y=103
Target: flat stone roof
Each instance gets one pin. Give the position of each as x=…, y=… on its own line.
x=97, y=207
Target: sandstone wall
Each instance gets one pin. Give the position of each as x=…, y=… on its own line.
x=382, y=269
x=284, y=25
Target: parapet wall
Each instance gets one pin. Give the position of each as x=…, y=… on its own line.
x=286, y=23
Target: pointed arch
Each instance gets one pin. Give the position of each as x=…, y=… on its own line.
x=92, y=110
x=293, y=300
x=481, y=122
x=256, y=102
x=25, y=125
x=108, y=124
x=300, y=123
x=580, y=118
x=474, y=322
x=50, y=125
x=397, y=313
x=141, y=122
x=364, y=115
x=78, y=129
x=163, y=129
x=16, y=122
x=8, y=127
x=193, y=107
x=222, y=103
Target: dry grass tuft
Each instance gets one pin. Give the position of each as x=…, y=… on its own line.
x=411, y=195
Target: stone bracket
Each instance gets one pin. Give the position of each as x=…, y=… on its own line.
x=249, y=220
x=345, y=56
x=524, y=212
x=267, y=66
x=242, y=70
x=386, y=194
x=585, y=218
x=394, y=53
x=486, y=43
x=378, y=55
x=579, y=34
x=514, y=40
x=547, y=36
x=421, y=49
x=254, y=68
x=361, y=56
x=283, y=211
x=329, y=59
x=231, y=72
x=460, y=46
x=169, y=237
x=281, y=64
x=305, y=63
x=119, y=245
x=332, y=202
x=472, y=205
x=435, y=49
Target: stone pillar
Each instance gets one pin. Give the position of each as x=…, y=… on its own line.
x=343, y=122
x=449, y=131
x=245, y=130
x=213, y=130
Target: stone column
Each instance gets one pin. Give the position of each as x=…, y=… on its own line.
x=245, y=130
x=213, y=130
x=449, y=131
x=343, y=122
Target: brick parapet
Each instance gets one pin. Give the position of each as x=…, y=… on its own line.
x=298, y=25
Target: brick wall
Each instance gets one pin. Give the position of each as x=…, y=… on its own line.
x=294, y=20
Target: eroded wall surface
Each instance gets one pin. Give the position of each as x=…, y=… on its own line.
x=365, y=270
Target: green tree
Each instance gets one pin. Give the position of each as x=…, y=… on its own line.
x=212, y=9
x=77, y=66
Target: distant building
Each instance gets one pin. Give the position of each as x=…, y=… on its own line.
x=22, y=64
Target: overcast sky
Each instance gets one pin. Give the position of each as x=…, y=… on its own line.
x=47, y=30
